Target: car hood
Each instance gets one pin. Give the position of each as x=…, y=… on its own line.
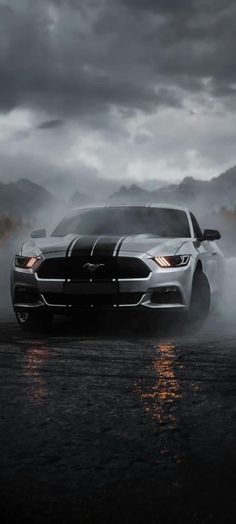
x=152, y=245
x=135, y=243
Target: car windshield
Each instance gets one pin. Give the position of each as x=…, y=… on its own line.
x=160, y=222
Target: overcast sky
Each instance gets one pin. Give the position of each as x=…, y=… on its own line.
x=120, y=88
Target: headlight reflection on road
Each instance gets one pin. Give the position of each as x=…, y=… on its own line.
x=36, y=356
x=160, y=399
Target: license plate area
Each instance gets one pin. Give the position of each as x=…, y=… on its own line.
x=90, y=288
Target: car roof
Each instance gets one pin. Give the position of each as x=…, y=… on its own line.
x=124, y=206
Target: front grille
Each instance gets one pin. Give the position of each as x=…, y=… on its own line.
x=109, y=268
x=93, y=299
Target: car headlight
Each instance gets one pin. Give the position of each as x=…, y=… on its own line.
x=173, y=261
x=25, y=262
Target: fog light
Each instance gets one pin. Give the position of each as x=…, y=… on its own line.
x=167, y=295
x=25, y=295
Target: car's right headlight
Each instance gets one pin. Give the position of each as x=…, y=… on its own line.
x=25, y=262
x=172, y=261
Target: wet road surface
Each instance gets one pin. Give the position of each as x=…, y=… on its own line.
x=113, y=426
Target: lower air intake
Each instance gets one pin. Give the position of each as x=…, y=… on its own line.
x=58, y=299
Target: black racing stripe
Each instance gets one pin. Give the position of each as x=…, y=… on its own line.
x=119, y=245
x=69, y=246
x=117, y=281
x=105, y=246
x=84, y=246
x=117, y=254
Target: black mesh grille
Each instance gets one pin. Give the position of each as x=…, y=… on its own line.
x=77, y=268
x=96, y=299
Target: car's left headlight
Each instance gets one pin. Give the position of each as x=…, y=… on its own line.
x=25, y=262
x=172, y=261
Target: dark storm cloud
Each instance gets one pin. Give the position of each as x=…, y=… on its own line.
x=58, y=66
x=51, y=124
x=161, y=5
x=81, y=58
x=197, y=38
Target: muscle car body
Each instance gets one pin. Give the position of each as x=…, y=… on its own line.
x=117, y=257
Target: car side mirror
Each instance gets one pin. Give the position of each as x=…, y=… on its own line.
x=211, y=234
x=38, y=233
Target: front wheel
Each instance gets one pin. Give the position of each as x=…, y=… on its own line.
x=200, y=300
x=39, y=321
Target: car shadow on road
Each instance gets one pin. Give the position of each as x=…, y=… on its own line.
x=119, y=325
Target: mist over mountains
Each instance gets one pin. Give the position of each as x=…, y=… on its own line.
x=22, y=199
x=200, y=195
x=25, y=204
x=25, y=198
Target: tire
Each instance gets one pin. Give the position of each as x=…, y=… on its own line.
x=36, y=321
x=200, y=300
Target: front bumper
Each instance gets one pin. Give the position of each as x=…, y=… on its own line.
x=163, y=288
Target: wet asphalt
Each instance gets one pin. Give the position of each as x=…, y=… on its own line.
x=110, y=423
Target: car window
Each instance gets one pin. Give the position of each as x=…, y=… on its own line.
x=161, y=222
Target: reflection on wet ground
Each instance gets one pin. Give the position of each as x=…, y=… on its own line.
x=35, y=357
x=158, y=398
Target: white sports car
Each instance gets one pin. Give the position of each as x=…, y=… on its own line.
x=151, y=258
